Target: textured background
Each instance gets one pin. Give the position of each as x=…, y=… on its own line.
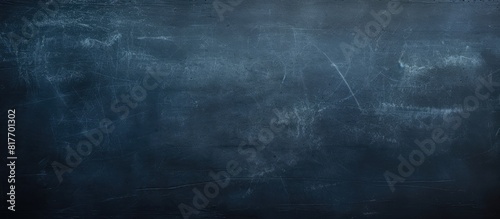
x=222, y=80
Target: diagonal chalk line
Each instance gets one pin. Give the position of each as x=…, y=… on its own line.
x=342, y=76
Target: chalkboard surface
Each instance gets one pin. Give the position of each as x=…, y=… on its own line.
x=250, y=109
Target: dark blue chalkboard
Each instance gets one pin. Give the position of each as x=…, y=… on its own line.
x=250, y=109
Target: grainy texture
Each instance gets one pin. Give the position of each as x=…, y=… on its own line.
x=349, y=119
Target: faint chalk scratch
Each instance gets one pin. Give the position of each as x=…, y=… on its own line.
x=342, y=76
